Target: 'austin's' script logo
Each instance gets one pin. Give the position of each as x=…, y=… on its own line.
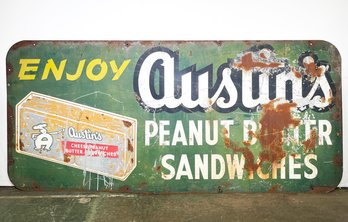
x=254, y=78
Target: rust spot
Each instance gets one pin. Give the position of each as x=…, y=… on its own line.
x=67, y=158
x=87, y=118
x=132, y=160
x=248, y=155
x=274, y=188
x=310, y=143
x=293, y=155
x=127, y=124
x=23, y=44
x=312, y=69
x=296, y=73
x=158, y=169
x=9, y=68
x=35, y=186
x=262, y=55
x=337, y=160
x=125, y=189
x=247, y=63
x=130, y=146
x=273, y=121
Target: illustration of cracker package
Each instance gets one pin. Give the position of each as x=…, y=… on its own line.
x=76, y=135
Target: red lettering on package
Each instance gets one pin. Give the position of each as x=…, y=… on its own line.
x=90, y=149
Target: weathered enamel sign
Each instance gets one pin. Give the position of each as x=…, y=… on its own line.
x=174, y=116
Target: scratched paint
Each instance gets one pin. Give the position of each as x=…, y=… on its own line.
x=197, y=116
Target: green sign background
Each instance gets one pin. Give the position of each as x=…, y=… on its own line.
x=118, y=97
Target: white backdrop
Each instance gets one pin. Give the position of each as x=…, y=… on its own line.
x=170, y=20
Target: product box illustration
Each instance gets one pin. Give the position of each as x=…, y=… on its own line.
x=169, y=116
x=75, y=135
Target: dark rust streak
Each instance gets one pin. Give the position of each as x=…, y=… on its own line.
x=311, y=142
x=322, y=189
x=338, y=160
x=9, y=68
x=130, y=146
x=125, y=189
x=146, y=43
x=10, y=134
x=127, y=124
x=219, y=43
x=10, y=124
x=248, y=155
x=337, y=115
x=313, y=43
x=21, y=145
x=23, y=44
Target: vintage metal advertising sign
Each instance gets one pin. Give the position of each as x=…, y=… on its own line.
x=248, y=116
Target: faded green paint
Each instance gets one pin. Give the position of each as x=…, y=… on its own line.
x=118, y=97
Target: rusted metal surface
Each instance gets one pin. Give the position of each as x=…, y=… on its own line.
x=215, y=116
